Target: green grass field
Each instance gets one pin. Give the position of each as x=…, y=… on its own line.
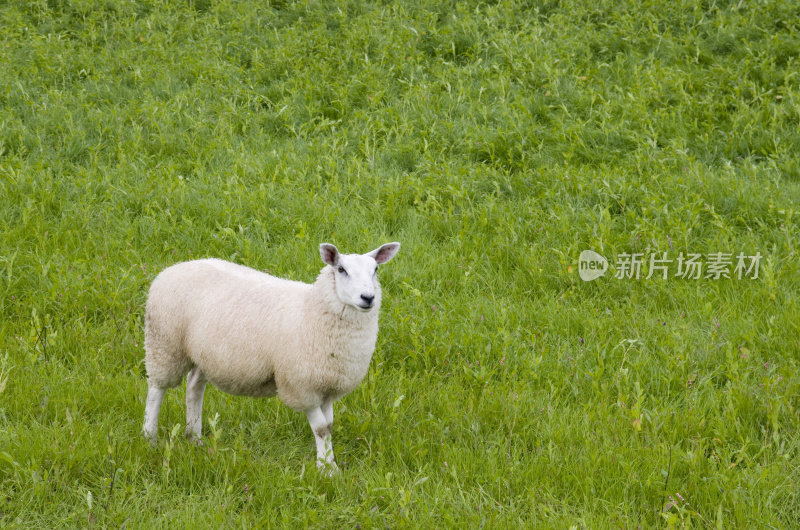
x=496, y=141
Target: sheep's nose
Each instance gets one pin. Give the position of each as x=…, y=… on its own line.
x=368, y=298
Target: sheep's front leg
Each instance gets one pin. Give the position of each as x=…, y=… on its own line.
x=195, y=387
x=155, y=396
x=327, y=410
x=322, y=435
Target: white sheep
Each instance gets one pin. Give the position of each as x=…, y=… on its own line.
x=252, y=334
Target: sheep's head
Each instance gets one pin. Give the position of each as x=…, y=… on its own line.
x=356, y=275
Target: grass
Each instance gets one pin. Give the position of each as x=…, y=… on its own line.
x=496, y=141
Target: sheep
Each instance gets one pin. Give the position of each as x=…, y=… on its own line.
x=252, y=334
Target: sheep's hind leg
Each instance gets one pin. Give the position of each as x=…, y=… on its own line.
x=195, y=387
x=322, y=436
x=155, y=395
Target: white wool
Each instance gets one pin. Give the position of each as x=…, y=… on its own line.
x=252, y=334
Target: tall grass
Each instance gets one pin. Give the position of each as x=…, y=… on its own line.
x=496, y=141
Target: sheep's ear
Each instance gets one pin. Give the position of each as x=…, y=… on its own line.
x=329, y=253
x=385, y=252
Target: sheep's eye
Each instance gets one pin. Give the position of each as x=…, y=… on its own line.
x=342, y=271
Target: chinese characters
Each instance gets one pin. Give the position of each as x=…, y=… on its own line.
x=690, y=266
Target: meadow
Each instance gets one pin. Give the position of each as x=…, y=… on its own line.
x=496, y=141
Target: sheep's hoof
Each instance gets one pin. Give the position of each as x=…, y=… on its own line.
x=329, y=469
x=151, y=438
x=194, y=440
x=193, y=437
